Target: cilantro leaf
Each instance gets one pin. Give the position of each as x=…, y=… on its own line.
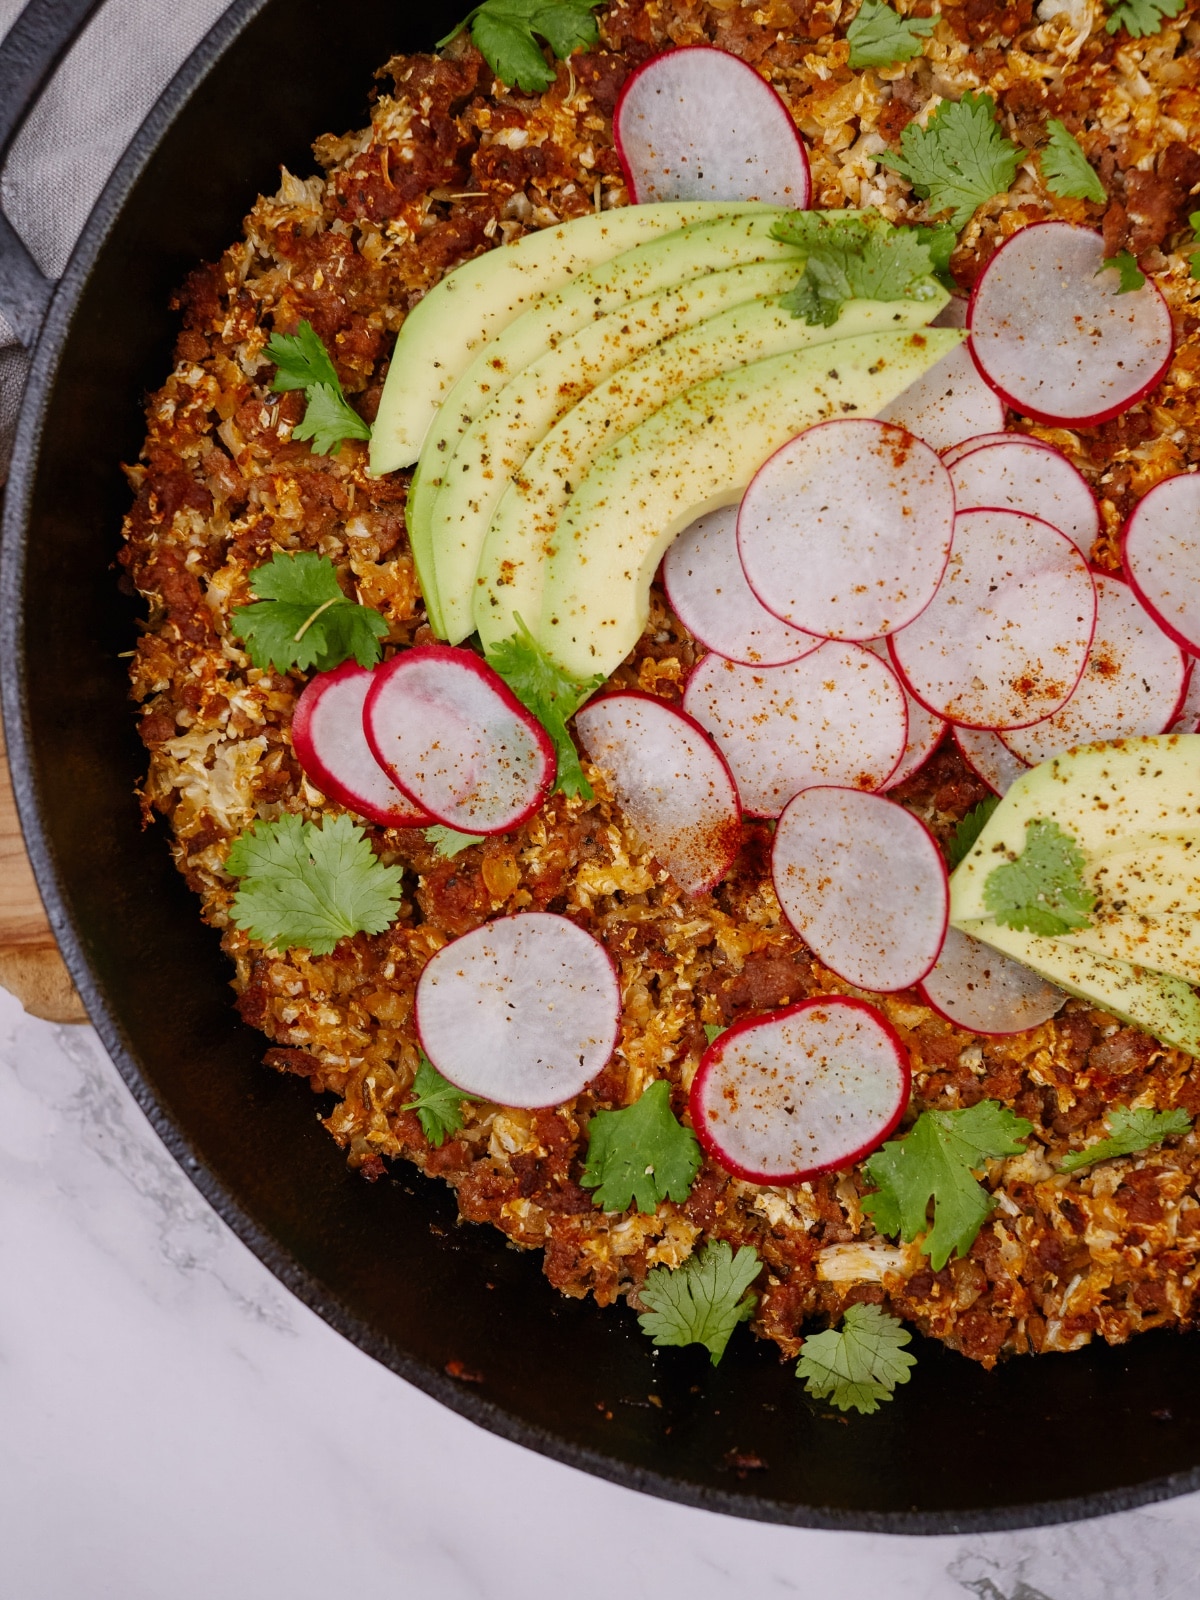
x=1194, y=224
x=1042, y=890
x=1128, y=1132
x=1125, y=265
x=877, y=36
x=1141, y=17
x=962, y=841
x=504, y=33
x=959, y=160
x=307, y=887
x=935, y=1162
x=438, y=1103
x=712, y=1031
x=853, y=257
x=1067, y=171
x=303, y=620
x=552, y=697
x=304, y=363
x=641, y=1155
x=449, y=841
x=860, y=1365
x=702, y=1301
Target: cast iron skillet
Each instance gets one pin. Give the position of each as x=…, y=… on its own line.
x=1036, y=1441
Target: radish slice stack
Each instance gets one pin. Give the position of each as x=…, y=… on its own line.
x=864, y=884
x=780, y=1098
x=699, y=124
x=708, y=591
x=978, y=988
x=837, y=716
x=1161, y=553
x=1188, y=720
x=671, y=781
x=449, y=733
x=989, y=758
x=328, y=738
x=1053, y=335
x=1015, y=473
x=845, y=531
x=1132, y=685
x=948, y=403
x=524, y=1011
x=924, y=729
x=1006, y=637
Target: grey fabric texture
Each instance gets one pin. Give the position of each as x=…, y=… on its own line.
x=76, y=133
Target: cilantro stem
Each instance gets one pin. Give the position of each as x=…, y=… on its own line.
x=308, y=622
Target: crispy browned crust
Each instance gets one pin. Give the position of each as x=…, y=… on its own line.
x=451, y=165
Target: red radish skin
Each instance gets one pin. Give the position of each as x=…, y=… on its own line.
x=1006, y=637
x=864, y=884
x=984, y=991
x=845, y=532
x=947, y=403
x=670, y=780
x=332, y=748
x=707, y=588
x=697, y=123
x=1188, y=718
x=925, y=731
x=448, y=732
x=989, y=758
x=838, y=716
x=780, y=1098
x=1160, y=552
x=523, y=1011
x=1053, y=336
x=1021, y=475
x=1132, y=685
x=956, y=452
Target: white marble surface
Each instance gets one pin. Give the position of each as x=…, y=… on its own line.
x=175, y=1424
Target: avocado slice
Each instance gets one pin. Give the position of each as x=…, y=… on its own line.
x=694, y=455
x=511, y=569
x=478, y=299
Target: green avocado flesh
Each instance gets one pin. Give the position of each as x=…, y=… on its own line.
x=1133, y=808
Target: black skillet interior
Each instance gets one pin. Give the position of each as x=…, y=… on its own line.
x=1037, y=1440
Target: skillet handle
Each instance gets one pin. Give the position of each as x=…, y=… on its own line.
x=29, y=53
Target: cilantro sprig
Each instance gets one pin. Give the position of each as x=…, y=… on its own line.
x=1194, y=224
x=859, y=257
x=962, y=840
x=959, y=160
x=935, y=1163
x=859, y=1365
x=450, y=841
x=306, y=886
x=878, y=36
x=1042, y=890
x=304, y=363
x=1067, y=171
x=506, y=33
x=1140, y=18
x=302, y=620
x=544, y=689
x=1124, y=264
x=702, y=1301
x=437, y=1102
x=1129, y=1132
x=641, y=1155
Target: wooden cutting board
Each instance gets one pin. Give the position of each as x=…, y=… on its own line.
x=30, y=965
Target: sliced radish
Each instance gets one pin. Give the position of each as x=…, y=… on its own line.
x=447, y=730
x=707, y=588
x=1019, y=474
x=328, y=738
x=956, y=452
x=1005, y=639
x=837, y=716
x=845, y=531
x=671, y=782
x=524, y=1011
x=989, y=758
x=864, y=884
x=780, y=1098
x=948, y=403
x=699, y=124
x=978, y=988
x=1160, y=549
x=1053, y=335
x=924, y=729
x=1132, y=684
x=1188, y=718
